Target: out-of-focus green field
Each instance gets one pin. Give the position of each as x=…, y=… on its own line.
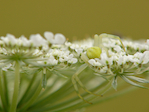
x=78, y=19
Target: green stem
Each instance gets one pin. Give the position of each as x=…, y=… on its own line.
x=4, y=103
x=120, y=93
x=66, y=89
x=80, y=105
x=44, y=78
x=71, y=102
x=52, y=96
x=48, y=88
x=16, y=88
x=34, y=97
x=24, y=97
x=6, y=87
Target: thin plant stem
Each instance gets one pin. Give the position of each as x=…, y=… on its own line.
x=120, y=93
x=6, y=88
x=73, y=101
x=28, y=88
x=82, y=104
x=33, y=98
x=66, y=89
x=4, y=102
x=16, y=88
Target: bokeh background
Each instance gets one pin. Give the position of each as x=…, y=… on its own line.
x=78, y=19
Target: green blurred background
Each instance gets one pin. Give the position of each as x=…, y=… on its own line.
x=77, y=19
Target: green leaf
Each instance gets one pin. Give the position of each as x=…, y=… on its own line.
x=131, y=82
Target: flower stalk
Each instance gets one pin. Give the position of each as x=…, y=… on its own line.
x=13, y=106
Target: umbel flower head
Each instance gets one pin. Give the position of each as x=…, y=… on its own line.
x=52, y=68
x=36, y=50
x=109, y=58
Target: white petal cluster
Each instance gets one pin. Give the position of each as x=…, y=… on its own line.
x=36, y=50
x=55, y=39
x=49, y=61
x=35, y=40
x=117, y=58
x=24, y=41
x=78, y=48
x=62, y=56
x=136, y=59
x=62, y=51
x=9, y=39
x=136, y=45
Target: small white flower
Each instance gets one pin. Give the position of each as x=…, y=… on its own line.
x=94, y=63
x=37, y=40
x=130, y=58
x=57, y=39
x=105, y=59
x=115, y=57
x=5, y=40
x=68, y=44
x=123, y=59
x=1, y=42
x=147, y=41
x=24, y=41
x=62, y=59
x=118, y=49
x=104, y=69
x=56, y=52
x=79, y=51
x=70, y=56
x=9, y=39
x=52, y=60
x=138, y=56
x=145, y=57
x=73, y=60
x=74, y=46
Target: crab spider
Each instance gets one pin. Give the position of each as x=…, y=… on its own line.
x=92, y=52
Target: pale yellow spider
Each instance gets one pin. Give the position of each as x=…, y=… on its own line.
x=92, y=52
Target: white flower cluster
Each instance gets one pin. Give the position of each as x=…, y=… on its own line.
x=62, y=51
x=36, y=50
x=136, y=59
x=116, y=60
x=117, y=54
x=136, y=45
x=61, y=56
x=36, y=40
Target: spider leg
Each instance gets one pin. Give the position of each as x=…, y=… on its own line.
x=106, y=49
x=81, y=84
x=81, y=68
x=113, y=37
x=106, y=88
x=77, y=90
x=97, y=41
